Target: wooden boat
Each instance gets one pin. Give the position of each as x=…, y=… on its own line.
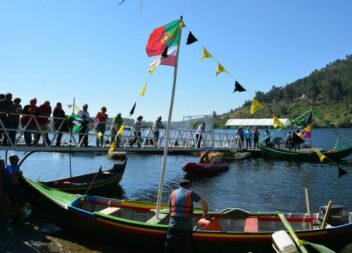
x=97, y=182
x=228, y=156
x=117, y=155
x=134, y=223
x=205, y=168
x=304, y=155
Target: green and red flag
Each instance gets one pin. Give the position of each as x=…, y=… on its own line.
x=162, y=37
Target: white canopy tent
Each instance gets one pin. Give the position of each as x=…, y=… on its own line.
x=252, y=122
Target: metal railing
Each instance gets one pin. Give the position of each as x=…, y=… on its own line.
x=33, y=126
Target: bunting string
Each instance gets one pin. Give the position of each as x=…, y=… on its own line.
x=256, y=105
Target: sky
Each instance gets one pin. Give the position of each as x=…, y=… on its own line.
x=94, y=51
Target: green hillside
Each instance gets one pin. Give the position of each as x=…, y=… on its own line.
x=327, y=91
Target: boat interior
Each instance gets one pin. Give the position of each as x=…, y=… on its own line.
x=227, y=220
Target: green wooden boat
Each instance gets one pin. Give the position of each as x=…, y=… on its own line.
x=98, y=182
x=304, y=154
x=135, y=224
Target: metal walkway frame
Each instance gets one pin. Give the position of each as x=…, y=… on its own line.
x=181, y=140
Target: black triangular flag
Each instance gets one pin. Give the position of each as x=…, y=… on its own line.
x=296, y=139
x=191, y=39
x=238, y=87
x=132, y=110
x=164, y=54
x=341, y=171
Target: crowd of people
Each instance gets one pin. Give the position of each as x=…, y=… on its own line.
x=35, y=121
x=245, y=138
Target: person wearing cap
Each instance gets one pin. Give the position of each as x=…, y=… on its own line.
x=85, y=119
x=156, y=127
x=117, y=123
x=180, y=224
x=12, y=187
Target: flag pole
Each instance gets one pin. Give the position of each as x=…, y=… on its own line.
x=166, y=147
x=70, y=156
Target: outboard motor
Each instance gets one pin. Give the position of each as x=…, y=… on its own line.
x=338, y=215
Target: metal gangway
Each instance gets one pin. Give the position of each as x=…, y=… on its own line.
x=181, y=140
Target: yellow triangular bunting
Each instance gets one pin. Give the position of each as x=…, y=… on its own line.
x=256, y=106
x=322, y=157
x=120, y=130
x=277, y=123
x=220, y=69
x=143, y=90
x=205, y=54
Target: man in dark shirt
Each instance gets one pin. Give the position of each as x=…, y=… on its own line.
x=6, y=106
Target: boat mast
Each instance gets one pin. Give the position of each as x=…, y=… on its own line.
x=166, y=147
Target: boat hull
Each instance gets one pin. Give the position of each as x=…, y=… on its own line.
x=86, y=215
x=303, y=155
x=96, y=183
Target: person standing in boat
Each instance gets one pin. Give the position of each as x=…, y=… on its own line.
x=267, y=137
x=12, y=187
x=199, y=134
x=156, y=130
x=179, y=234
x=297, y=145
x=288, y=143
x=137, y=132
x=100, y=120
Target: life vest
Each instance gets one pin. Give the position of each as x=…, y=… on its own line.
x=181, y=204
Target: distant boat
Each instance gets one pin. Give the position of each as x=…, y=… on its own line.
x=228, y=155
x=97, y=182
x=293, y=148
x=230, y=230
x=304, y=154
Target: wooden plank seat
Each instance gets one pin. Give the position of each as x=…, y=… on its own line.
x=154, y=219
x=251, y=225
x=110, y=210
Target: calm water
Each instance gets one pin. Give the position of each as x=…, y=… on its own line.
x=252, y=184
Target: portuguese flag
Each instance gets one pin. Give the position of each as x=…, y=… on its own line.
x=162, y=37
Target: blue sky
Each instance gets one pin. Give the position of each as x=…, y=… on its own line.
x=94, y=51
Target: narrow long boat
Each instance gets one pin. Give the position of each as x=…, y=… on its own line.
x=97, y=182
x=303, y=155
x=135, y=224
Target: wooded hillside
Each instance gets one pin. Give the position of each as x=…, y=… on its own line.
x=328, y=91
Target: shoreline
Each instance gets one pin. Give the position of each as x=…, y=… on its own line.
x=38, y=235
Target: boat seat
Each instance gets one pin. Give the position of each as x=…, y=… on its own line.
x=154, y=219
x=251, y=225
x=110, y=210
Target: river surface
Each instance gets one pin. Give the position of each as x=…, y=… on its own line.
x=255, y=184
